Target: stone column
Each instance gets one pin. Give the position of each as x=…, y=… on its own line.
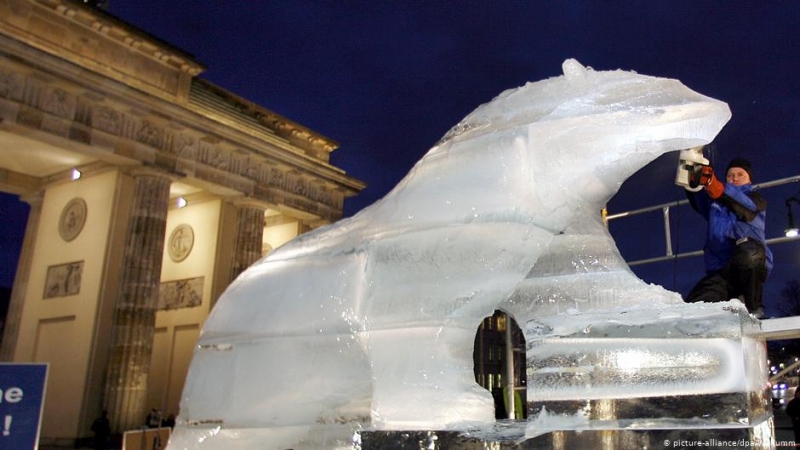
x=17, y=301
x=134, y=319
x=249, y=238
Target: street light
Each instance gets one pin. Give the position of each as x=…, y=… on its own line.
x=791, y=230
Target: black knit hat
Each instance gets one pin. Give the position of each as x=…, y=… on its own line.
x=742, y=164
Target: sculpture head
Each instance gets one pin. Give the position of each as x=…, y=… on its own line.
x=552, y=150
x=609, y=103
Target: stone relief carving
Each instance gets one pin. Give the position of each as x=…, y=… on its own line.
x=10, y=85
x=63, y=280
x=213, y=156
x=184, y=146
x=218, y=159
x=251, y=171
x=59, y=103
x=186, y=293
x=300, y=187
x=148, y=133
x=180, y=243
x=107, y=119
x=276, y=178
x=72, y=219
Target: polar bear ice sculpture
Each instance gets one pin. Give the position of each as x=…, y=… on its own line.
x=371, y=321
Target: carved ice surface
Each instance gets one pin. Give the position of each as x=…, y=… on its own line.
x=370, y=322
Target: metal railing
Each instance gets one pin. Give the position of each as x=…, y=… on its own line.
x=665, y=211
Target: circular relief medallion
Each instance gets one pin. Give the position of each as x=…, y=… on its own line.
x=180, y=242
x=73, y=217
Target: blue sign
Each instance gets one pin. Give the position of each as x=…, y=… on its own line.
x=21, y=400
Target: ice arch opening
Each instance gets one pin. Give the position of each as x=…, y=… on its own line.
x=499, y=349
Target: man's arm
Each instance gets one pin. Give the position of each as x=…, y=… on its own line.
x=745, y=206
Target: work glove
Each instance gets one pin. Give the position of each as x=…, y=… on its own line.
x=703, y=175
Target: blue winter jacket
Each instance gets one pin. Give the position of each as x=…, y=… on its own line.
x=740, y=212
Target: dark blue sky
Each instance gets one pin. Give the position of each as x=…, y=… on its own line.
x=387, y=79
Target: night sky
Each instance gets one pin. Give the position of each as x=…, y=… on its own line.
x=387, y=79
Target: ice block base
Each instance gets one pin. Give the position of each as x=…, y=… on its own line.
x=512, y=437
x=671, y=367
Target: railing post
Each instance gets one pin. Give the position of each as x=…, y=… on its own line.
x=667, y=233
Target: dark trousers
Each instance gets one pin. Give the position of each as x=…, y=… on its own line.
x=744, y=275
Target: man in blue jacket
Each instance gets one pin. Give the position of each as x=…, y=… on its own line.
x=737, y=260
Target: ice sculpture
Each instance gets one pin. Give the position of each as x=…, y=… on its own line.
x=370, y=322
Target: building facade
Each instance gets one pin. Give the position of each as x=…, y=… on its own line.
x=150, y=190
